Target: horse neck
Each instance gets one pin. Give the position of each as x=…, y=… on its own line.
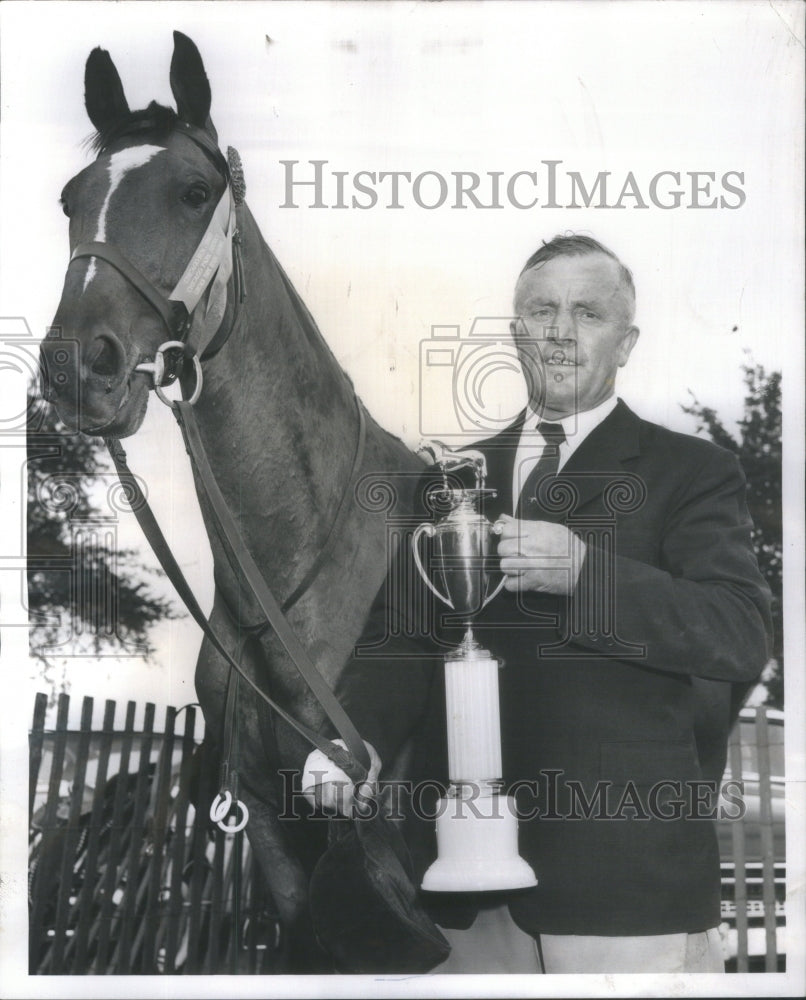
x=278, y=415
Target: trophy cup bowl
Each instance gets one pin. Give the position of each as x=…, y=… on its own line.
x=461, y=555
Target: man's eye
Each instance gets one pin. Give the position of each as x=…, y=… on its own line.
x=196, y=196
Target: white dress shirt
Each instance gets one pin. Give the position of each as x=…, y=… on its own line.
x=577, y=427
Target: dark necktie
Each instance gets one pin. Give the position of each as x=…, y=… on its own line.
x=528, y=501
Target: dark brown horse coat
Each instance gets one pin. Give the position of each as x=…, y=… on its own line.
x=277, y=416
x=601, y=704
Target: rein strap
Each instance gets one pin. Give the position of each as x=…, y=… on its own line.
x=355, y=761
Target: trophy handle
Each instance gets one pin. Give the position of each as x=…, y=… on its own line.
x=495, y=529
x=426, y=529
x=496, y=592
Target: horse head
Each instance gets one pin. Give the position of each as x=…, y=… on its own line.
x=151, y=224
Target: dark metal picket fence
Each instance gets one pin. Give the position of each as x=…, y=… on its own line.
x=128, y=875
x=753, y=849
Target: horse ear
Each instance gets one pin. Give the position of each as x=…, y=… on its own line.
x=103, y=92
x=189, y=84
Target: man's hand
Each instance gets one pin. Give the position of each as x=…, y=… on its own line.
x=538, y=555
x=328, y=788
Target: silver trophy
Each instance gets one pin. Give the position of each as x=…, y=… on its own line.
x=462, y=540
x=477, y=830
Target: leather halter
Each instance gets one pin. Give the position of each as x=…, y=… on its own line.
x=173, y=313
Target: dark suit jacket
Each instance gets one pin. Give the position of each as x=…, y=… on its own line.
x=598, y=699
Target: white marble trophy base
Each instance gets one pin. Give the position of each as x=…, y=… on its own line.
x=477, y=826
x=477, y=845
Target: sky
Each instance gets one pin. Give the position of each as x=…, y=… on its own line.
x=632, y=88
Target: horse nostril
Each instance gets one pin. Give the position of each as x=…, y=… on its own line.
x=105, y=358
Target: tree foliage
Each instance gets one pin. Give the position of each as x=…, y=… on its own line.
x=758, y=447
x=85, y=595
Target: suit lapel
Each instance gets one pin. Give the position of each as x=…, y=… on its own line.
x=599, y=461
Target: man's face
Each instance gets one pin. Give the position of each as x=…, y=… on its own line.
x=574, y=331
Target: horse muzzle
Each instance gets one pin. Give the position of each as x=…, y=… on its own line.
x=91, y=383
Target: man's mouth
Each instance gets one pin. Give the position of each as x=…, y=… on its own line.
x=558, y=359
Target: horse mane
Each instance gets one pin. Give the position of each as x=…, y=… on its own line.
x=155, y=118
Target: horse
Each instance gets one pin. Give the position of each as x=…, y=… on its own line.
x=277, y=416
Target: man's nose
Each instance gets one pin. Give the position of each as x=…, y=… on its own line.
x=563, y=331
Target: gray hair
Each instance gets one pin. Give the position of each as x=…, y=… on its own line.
x=578, y=246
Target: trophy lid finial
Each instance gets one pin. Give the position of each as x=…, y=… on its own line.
x=449, y=460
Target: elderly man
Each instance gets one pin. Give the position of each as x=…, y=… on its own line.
x=630, y=582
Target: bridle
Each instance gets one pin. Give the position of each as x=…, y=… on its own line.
x=217, y=258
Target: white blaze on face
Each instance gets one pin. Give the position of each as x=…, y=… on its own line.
x=119, y=165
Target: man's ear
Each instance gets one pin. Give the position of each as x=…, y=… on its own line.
x=627, y=344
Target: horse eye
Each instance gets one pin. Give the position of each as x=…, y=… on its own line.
x=196, y=196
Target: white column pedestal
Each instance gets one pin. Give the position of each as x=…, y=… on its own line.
x=477, y=826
